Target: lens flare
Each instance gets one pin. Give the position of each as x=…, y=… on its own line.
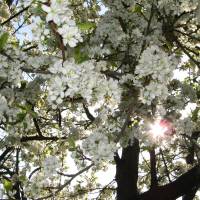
x=161, y=128
x=157, y=130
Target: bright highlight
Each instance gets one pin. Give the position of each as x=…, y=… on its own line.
x=162, y=128
x=158, y=130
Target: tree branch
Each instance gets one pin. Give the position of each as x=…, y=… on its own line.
x=154, y=180
x=41, y=138
x=166, y=168
x=8, y=149
x=88, y=114
x=60, y=39
x=181, y=186
x=33, y=172
x=60, y=188
x=191, y=194
x=15, y=15
x=16, y=186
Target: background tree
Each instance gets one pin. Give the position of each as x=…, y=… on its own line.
x=93, y=82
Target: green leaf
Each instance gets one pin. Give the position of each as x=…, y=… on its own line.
x=3, y=40
x=26, y=107
x=137, y=9
x=25, y=125
x=38, y=10
x=86, y=26
x=33, y=114
x=71, y=142
x=79, y=55
x=198, y=93
x=195, y=114
x=21, y=116
x=23, y=85
x=7, y=185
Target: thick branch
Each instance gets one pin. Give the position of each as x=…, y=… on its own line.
x=183, y=48
x=41, y=138
x=60, y=39
x=175, y=189
x=191, y=194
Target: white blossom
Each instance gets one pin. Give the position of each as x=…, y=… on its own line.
x=3, y=104
x=99, y=147
x=61, y=14
x=83, y=79
x=158, y=66
x=50, y=164
x=185, y=126
x=70, y=34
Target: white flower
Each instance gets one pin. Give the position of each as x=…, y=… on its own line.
x=157, y=64
x=60, y=13
x=70, y=34
x=3, y=104
x=56, y=10
x=50, y=165
x=83, y=79
x=99, y=147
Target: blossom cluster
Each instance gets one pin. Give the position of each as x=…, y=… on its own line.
x=10, y=69
x=34, y=187
x=61, y=14
x=46, y=177
x=50, y=164
x=101, y=143
x=38, y=29
x=185, y=126
x=3, y=106
x=85, y=80
x=99, y=147
x=104, y=30
x=158, y=66
x=178, y=6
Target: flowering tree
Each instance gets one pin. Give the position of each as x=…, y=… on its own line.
x=92, y=83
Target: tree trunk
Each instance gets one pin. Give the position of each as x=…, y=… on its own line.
x=127, y=172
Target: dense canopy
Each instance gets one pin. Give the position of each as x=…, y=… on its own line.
x=88, y=87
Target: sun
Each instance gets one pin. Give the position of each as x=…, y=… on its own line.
x=162, y=128
x=157, y=129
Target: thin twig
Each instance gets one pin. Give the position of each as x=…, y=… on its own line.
x=15, y=15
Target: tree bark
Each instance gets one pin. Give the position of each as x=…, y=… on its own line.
x=191, y=194
x=154, y=181
x=180, y=187
x=127, y=172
